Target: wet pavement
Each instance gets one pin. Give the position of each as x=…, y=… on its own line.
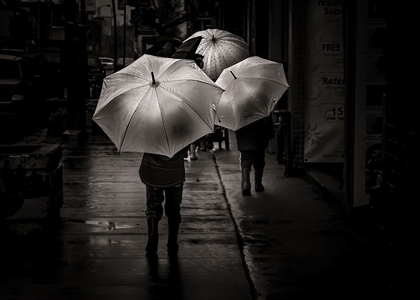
x=298, y=243
x=288, y=242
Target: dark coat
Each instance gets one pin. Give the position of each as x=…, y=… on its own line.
x=161, y=171
x=162, y=53
x=256, y=135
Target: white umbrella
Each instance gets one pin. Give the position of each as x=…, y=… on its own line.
x=157, y=105
x=221, y=49
x=252, y=89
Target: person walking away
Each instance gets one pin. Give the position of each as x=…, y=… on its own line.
x=164, y=178
x=252, y=141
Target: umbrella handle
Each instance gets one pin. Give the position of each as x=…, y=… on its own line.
x=215, y=111
x=153, y=78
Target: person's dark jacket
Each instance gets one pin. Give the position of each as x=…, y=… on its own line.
x=162, y=53
x=256, y=135
x=161, y=171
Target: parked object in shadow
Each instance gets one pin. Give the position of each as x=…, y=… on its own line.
x=20, y=107
x=107, y=63
x=44, y=72
x=31, y=186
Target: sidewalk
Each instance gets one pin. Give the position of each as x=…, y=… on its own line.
x=297, y=241
x=288, y=242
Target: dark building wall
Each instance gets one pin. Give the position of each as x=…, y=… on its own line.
x=278, y=30
x=296, y=64
x=401, y=133
x=400, y=150
x=262, y=18
x=233, y=17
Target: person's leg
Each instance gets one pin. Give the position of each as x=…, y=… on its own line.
x=173, y=212
x=259, y=164
x=218, y=135
x=154, y=213
x=202, y=145
x=186, y=155
x=193, y=155
x=209, y=141
x=246, y=164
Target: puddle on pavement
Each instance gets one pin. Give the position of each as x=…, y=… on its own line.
x=109, y=225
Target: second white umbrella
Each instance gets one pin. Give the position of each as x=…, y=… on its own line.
x=252, y=89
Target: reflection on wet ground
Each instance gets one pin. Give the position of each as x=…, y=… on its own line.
x=97, y=249
x=165, y=279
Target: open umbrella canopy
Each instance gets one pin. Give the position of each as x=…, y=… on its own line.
x=157, y=105
x=252, y=89
x=221, y=49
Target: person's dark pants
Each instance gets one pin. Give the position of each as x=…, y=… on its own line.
x=254, y=158
x=155, y=198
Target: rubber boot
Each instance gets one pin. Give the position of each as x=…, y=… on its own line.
x=258, y=181
x=173, y=228
x=246, y=183
x=152, y=231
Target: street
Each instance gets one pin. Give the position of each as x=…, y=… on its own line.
x=288, y=242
